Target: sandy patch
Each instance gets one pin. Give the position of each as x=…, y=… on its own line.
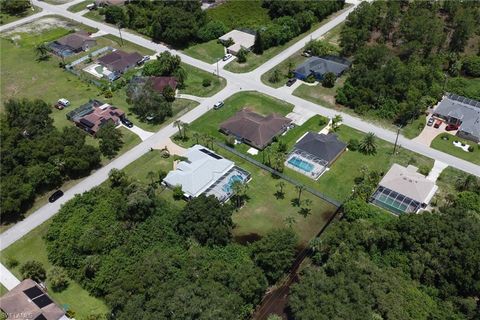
x=39, y=26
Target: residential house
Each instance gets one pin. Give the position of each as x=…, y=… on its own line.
x=314, y=153
x=241, y=40
x=120, y=61
x=404, y=190
x=319, y=66
x=158, y=83
x=72, y=43
x=30, y=301
x=463, y=112
x=205, y=172
x=255, y=129
x=94, y=114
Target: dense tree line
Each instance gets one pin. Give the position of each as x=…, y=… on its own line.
x=15, y=7
x=37, y=157
x=291, y=18
x=423, y=266
x=401, y=53
x=150, y=260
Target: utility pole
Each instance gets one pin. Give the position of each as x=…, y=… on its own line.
x=218, y=74
x=396, y=140
x=119, y=25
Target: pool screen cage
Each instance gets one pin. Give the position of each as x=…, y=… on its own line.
x=394, y=202
x=216, y=188
x=319, y=165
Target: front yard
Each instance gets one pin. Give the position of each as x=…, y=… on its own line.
x=283, y=68
x=33, y=247
x=210, y=51
x=448, y=147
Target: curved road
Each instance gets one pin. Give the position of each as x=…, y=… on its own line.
x=235, y=83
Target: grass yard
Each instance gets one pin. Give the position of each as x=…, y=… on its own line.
x=333, y=36
x=321, y=95
x=80, y=6
x=414, y=128
x=446, y=185
x=3, y=290
x=7, y=18
x=209, y=52
x=448, y=147
x=254, y=60
x=240, y=14
x=194, y=82
x=33, y=247
x=116, y=42
x=289, y=64
x=95, y=15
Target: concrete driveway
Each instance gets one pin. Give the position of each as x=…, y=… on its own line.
x=429, y=133
x=142, y=134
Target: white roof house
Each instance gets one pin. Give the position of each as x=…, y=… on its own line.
x=404, y=190
x=242, y=40
x=202, y=169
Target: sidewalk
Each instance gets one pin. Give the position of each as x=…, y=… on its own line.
x=7, y=279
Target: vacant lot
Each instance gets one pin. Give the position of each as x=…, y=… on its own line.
x=210, y=51
x=448, y=147
x=240, y=14
x=33, y=247
x=7, y=18
x=194, y=82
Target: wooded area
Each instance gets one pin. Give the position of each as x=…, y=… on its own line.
x=403, y=53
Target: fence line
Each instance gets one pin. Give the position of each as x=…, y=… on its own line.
x=316, y=193
x=90, y=55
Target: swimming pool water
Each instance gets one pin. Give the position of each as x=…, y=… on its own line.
x=227, y=187
x=301, y=164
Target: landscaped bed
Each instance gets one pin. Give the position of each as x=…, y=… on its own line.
x=447, y=146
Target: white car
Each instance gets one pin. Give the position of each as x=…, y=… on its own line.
x=227, y=56
x=63, y=102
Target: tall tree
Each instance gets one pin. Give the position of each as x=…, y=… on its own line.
x=110, y=140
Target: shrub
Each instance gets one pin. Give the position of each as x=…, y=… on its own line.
x=33, y=270
x=310, y=79
x=445, y=136
x=329, y=80
x=206, y=82
x=353, y=144
x=11, y=263
x=168, y=93
x=242, y=55
x=323, y=121
x=108, y=94
x=177, y=192
x=275, y=77
x=212, y=30
x=230, y=141
x=471, y=66
x=424, y=170
x=58, y=279
x=470, y=149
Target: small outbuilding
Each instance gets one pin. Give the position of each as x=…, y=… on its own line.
x=319, y=66
x=241, y=40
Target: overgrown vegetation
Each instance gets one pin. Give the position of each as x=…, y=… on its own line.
x=401, y=52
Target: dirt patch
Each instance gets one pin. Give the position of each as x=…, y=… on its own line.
x=41, y=25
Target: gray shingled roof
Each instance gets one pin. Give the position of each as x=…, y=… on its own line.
x=323, y=65
x=464, y=109
x=323, y=146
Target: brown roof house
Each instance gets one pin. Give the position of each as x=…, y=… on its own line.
x=158, y=83
x=28, y=301
x=120, y=61
x=94, y=114
x=255, y=129
x=78, y=41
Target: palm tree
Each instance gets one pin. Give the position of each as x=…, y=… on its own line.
x=290, y=221
x=178, y=124
x=41, y=50
x=336, y=122
x=306, y=209
x=280, y=185
x=299, y=189
x=368, y=145
x=185, y=127
x=240, y=191
x=151, y=175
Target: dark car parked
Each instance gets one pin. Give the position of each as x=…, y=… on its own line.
x=127, y=122
x=290, y=82
x=451, y=127
x=55, y=196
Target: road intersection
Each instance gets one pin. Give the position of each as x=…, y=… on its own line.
x=235, y=83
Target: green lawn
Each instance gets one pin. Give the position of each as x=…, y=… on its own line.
x=291, y=63
x=333, y=36
x=262, y=213
x=448, y=147
x=33, y=247
x=114, y=41
x=7, y=18
x=195, y=77
x=3, y=290
x=80, y=6
x=209, y=52
x=254, y=60
x=414, y=128
x=94, y=15
x=321, y=95
x=240, y=14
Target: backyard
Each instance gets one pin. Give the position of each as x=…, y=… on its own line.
x=448, y=147
x=33, y=247
x=210, y=51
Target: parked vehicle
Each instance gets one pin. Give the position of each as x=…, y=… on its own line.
x=150, y=118
x=451, y=127
x=55, y=196
x=226, y=57
x=430, y=121
x=144, y=59
x=437, y=124
x=218, y=105
x=59, y=106
x=127, y=122
x=306, y=54
x=91, y=6
x=291, y=81
x=64, y=102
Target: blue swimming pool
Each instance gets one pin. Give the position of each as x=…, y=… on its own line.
x=301, y=164
x=227, y=187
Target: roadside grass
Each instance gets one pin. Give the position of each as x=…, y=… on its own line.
x=292, y=62
x=262, y=213
x=95, y=15
x=446, y=185
x=333, y=36
x=414, y=128
x=448, y=147
x=33, y=247
x=254, y=60
x=116, y=42
x=240, y=14
x=194, y=82
x=80, y=6
x=6, y=18
x=210, y=51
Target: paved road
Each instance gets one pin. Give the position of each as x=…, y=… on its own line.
x=235, y=83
